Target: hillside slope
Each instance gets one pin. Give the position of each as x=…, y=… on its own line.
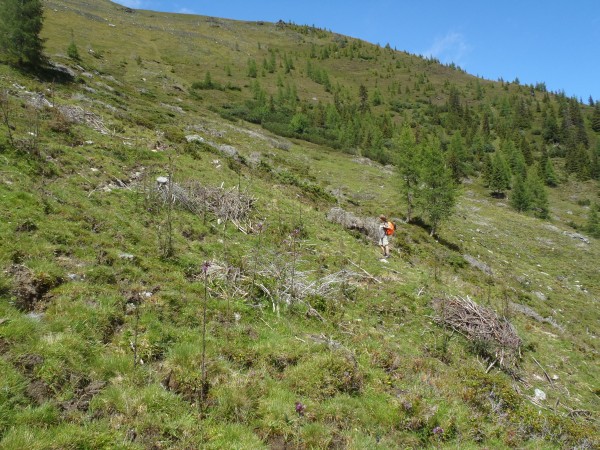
x=177, y=270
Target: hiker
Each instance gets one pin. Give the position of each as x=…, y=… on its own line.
x=386, y=229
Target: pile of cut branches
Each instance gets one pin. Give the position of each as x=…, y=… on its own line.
x=494, y=336
x=228, y=205
x=297, y=285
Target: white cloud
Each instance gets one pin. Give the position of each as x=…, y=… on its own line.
x=136, y=4
x=186, y=11
x=450, y=48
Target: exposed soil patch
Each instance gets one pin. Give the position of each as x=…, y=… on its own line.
x=28, y=362
x=38, y=391
x=4, y=346
x=29, y=288
x=83, y=396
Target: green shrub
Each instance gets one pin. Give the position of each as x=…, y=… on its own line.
x=174, y=134
x=326, y=375
x=73, y=52
x=232, y=435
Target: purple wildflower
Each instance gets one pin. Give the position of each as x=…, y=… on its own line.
x=438, y=431
x=300, y=408
x=205, y=267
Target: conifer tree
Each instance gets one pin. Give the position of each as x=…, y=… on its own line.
x=363, y=98
x=595, y=163
x=526, y=150
x=537, y=193
x=477, y=149
x=487, y=169
x=577, y=161
x=252, y=69
x=457, y=158
x=21, y=22
x=485, y=123
x=73, y=52
x=454, y=108
x=546, y=169
x=520, y=198
x=408, y=165
x=596, y=118
x=500, y=177
x=593, y=223
x=550, y=130
x=514, y=157
x=438, y=192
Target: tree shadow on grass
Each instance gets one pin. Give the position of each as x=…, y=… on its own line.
x=418, y=221
x=47, y=72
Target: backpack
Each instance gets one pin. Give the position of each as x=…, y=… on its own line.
x=391, y=227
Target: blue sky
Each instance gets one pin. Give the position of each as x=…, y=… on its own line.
x=551, y=41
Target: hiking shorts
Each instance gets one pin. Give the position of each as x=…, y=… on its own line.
x=384, y=241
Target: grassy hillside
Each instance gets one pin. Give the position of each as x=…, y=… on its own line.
x=224, y=308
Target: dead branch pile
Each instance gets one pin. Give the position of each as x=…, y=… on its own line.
x=228, y=205
x=276, y=277
x=299, y=286
x=368, y=226
x=282, y=283
x=76, y=114
x=480, y=325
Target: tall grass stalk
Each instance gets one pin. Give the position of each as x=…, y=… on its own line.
x=138, y=302
x=205, y=267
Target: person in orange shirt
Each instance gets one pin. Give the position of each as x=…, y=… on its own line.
x=386, y=229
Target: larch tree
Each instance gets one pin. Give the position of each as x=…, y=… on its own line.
x=438, y=191
x=21, y=22
x=520, y=197
x=593, y=223
x=546, y=169
x=499, y=181
x=363, y=98
x=456, y=158
x=596, y=118
x=409, y=167
x=537, y=194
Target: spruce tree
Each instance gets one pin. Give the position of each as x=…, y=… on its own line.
x=20, y=26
